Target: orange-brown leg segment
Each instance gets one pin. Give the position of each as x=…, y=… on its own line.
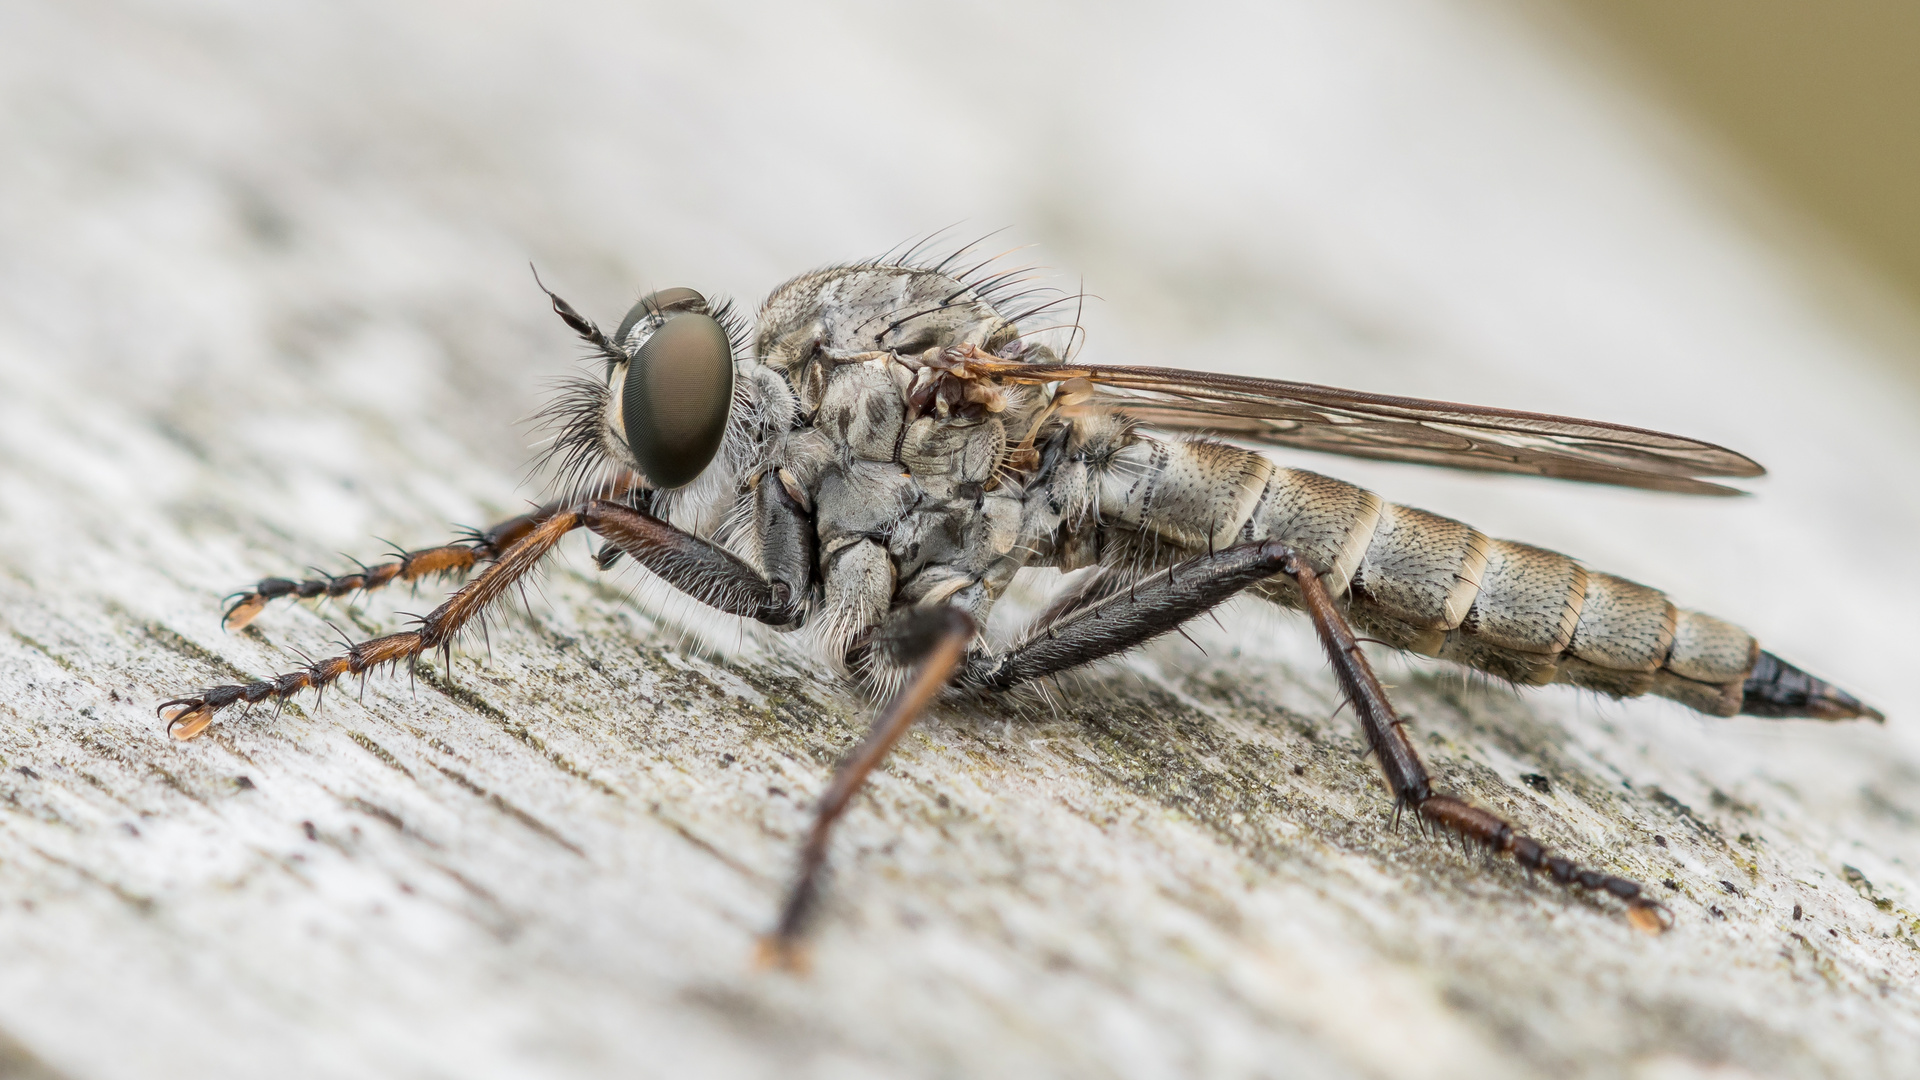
x=939, y=639
x=1408, y=777
x=447, y=560
x=455, y=558
x=696, y=566
x=1105, y=619
x=188, y=717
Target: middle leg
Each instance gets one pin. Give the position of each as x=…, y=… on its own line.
x=934, y=641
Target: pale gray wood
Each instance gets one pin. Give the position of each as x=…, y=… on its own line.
x=265, y=297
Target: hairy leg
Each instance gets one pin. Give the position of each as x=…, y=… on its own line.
x=457, y=557
x=1114, y=619
x=1122, y=619
x=938, y=639
x=188, y=717
x=449, y=559
x=1413, y=788
x=698, y=567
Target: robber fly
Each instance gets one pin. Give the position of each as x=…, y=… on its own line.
x=880, y=453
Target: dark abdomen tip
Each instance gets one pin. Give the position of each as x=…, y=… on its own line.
x=1778, y=689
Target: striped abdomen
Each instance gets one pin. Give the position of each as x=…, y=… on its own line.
x=1435, y=586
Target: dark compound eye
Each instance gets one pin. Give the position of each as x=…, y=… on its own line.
x=678, y=390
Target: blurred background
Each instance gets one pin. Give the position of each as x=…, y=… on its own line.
x=1818, y=102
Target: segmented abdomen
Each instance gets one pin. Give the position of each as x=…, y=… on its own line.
x=1435, y=586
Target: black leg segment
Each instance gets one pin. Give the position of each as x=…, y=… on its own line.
x=1102, y=625
x=1155, y=605
x=938, y=637
x=450, y=559
x=700, y=568
x=1408, y=777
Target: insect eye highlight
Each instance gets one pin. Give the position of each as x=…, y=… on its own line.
x=660, y=305
x=678, y=388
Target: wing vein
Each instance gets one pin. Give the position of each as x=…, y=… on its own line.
x=1388, y=427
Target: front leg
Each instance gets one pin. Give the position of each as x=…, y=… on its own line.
x=189, y=716
x=698, y=567
x=452, y=558
x=444, y=560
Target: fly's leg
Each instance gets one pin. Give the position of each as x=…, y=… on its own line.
x=188, y=717
x=1125, y=618
x=446, y=560
x=1122, y=618
x=1408, y=778
x=937, y=638
x=697, y=567
x=457, y=557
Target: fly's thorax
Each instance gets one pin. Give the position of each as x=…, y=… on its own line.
x=862, y=410
x=962, y=555
x=947, y=456
x=882, y=308
x=864, y=309
x=862, y=498
x=1063, y=517
x=856, y=591
x=904, y=461
x=906, y=508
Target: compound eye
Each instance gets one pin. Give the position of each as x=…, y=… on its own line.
x=664, y=302
x=678, y=391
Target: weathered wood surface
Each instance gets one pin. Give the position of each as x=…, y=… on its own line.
x=265, y=298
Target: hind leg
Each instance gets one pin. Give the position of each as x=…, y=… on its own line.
x=1122, y=619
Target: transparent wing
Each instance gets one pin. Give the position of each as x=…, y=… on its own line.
x=1308, y=417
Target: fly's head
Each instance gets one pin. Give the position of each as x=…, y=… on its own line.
x=660, y=409
x=669, y=395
